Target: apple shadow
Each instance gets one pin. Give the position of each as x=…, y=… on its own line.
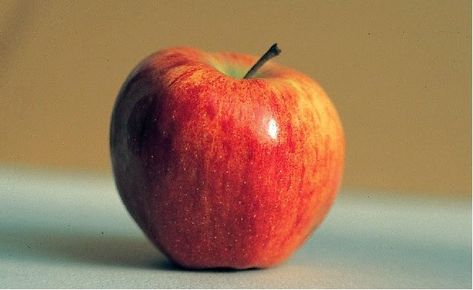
x=62, y=246
x=94, y=248
x=168, y=265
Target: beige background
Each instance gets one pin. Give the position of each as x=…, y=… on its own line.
x=398, y=71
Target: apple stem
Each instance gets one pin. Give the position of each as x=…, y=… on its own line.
x=272, y=52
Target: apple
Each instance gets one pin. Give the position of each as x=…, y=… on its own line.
x=221, y=168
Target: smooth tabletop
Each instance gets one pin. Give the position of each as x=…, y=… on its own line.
x=72, y=231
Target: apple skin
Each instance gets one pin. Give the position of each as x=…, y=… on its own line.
x=220, y=171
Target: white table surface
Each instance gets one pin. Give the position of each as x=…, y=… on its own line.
x=71, y=231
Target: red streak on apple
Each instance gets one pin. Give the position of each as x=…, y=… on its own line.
x=220, y=171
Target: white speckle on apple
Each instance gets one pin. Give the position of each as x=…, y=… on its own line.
x=273, y=129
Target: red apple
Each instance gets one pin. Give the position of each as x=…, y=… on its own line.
x=221, y=171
